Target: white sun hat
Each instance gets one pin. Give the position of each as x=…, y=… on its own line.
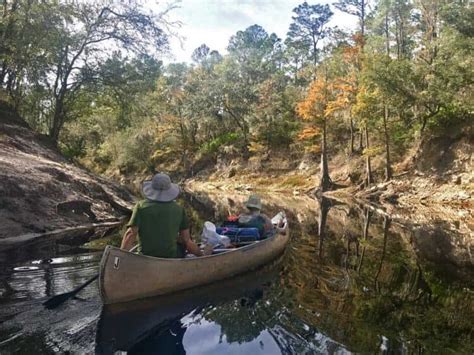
x=160, y=188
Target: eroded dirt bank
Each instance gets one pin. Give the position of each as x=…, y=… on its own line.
x=41, y=191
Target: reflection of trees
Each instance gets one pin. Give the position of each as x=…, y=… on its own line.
x=365, y=235
x=355, y=296
x=386, y=226
x=387, y=293
x=324, y=206
x=242, y=320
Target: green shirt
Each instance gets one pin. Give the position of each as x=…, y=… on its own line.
x=159, y=224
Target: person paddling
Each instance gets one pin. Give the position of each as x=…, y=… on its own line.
x=158, y=222
x=254, y=217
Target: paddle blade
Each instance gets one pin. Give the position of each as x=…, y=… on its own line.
x=55, y=301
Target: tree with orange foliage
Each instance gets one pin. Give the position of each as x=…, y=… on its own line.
x=345, y=97
x=352, y=59
x=316, y=109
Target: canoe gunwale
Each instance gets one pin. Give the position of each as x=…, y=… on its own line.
x=242, y=248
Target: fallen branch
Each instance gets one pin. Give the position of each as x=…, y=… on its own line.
x=8, y=243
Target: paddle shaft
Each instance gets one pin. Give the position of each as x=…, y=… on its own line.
x=85, y=284
x=57, y=300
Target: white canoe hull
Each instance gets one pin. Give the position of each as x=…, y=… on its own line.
x=125, y=276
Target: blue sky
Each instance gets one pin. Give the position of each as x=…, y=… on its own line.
x=214, y=21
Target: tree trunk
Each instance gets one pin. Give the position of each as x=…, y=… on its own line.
x=3, y=73
x=296, y=71
x=387, y=35
x=361, y=140
x=325, y=183
x=315, y=56
x=368, y=215
x=388, y=167
x=362, y=20
x=352, y=134
x=58, y=120
x=368, y=165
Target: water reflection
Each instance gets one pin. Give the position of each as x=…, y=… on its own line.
x=351, y=280
x=44, y=278
x=247, y=314
x=150, y=324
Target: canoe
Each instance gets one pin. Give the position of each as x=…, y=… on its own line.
x=125, y=276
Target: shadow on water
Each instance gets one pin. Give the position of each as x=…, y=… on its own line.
x=351, y=280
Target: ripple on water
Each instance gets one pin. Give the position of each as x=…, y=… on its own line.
x=26, y=268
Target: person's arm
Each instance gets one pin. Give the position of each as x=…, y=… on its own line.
x=129, y=238
x=185, y=239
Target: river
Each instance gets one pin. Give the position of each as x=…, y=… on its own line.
x=352, y=280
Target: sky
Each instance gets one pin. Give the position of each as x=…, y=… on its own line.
x=213, y=22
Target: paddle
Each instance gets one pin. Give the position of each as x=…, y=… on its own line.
x=57, y=300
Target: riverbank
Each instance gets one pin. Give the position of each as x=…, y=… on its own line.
x=440, y=203
x=419, y=199
x=44, y=194
x=434, y=181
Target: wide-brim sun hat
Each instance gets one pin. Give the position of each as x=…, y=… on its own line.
x=254, y=202
x=160, y=188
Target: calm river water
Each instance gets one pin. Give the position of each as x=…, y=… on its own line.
x=351, y=281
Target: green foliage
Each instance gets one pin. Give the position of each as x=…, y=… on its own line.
x=308, y=28
x=50, y=52
x=406, y=72
x=213, y=146
x=449, y=116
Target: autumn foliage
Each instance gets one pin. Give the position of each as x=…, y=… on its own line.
x=313, y=107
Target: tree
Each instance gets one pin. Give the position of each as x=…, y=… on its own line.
x=76, y=53
x=125, y=80
x=274, y=124
x=392, y=23
x=252, y=58
x=357, y=8
x=316, y=109
x=347, y=82
x=25, y=30
x=200, y=53
x=308, y=28
x=390, y=87
x=430, y=66
x=205, y=58
x=76, y=42
x=295, y=54
x=238, y=96
x=253, y=49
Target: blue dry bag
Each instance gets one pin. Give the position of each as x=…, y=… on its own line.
x=237, y=235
